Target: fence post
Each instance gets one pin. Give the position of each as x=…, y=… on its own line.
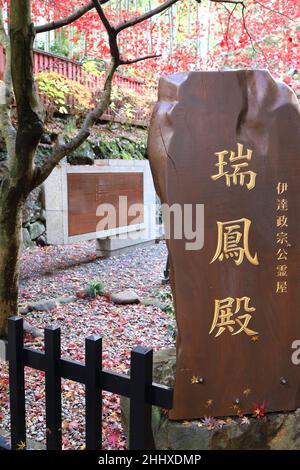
x=16, y=383
x=140, y=422
x=93, y=393
x=53, y=388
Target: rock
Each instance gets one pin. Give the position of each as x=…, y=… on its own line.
x=80, y=160
x=127, y=296
x=66, y=300
x=2, y=144
x=36, y=230
x=47, y=305
x=164, y=366
x=32, y=204
x=43, y=154
x=43, y=305
x=27, y=242
x=24, y=310
x=42, y=240
x=157, y=303
x=84, y=155
x=46, y=139
x=3, y=156
x=276, y=431
x=35, y=332
x=101, y=150
x=42, y=217
x=36, y=214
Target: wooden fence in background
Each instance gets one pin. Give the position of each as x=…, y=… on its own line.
x=71, y=69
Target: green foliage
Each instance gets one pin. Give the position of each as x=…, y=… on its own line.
x=172, y=331
x=94, y=288
x=163, y=299
x=93, y=67
x=59, y=49
x=62, y=94
x=169, y=309
x=127, y=103
x=126, y=156
x=55, y=89
x=83, y=155
x=70, y=127
x=61, y=44
x=120, y=148
x=166, y=297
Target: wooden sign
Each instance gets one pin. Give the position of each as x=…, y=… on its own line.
x=231, y=141
x=86, y=191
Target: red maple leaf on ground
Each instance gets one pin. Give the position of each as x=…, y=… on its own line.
x=81, y=294
x=259, y=410
x=106, y=296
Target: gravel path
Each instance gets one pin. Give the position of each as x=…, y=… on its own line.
x=55, y=271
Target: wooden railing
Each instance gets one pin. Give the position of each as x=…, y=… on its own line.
x=49, y=62
x=138, y=387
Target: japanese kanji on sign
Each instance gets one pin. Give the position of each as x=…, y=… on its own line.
x=231, y=141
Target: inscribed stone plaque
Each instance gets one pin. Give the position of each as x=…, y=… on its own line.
x=86, y=191
x=231, y=141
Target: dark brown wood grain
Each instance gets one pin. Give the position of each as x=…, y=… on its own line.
x=86, y=191
x=198, y=114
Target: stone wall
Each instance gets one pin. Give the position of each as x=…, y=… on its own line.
x=121, y=148
x=34, y=219
x=34, y=215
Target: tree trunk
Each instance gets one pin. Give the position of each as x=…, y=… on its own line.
x=10, y=247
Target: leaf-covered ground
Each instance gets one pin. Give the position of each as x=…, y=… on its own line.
x=56, y=271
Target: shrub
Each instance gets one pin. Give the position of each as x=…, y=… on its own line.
x=127, y=104
x=94, y=288
x=62, y=95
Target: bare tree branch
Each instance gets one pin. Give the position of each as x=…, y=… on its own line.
x=112, y=35
x=242, y=4
x=246, y=29
x=233, y=2
x=68, y=19
x=145, y=16
x=229, y=18
x=274, y=11
x=114, y=31
x=64, y=149
x=139, y=59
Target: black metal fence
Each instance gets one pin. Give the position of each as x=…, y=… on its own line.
x=138, y=387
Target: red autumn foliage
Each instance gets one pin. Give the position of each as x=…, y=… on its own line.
x=190, y=35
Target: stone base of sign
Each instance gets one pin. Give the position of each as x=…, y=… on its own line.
x=276, y=431
x=107, y=247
